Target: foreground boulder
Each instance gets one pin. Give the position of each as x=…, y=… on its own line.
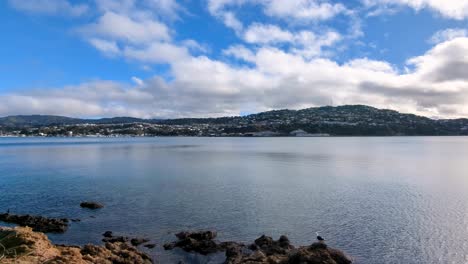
x=265, y=250
x=91, y=205
x=22, y=245
x=37, y=223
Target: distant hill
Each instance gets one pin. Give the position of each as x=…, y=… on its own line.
x=50, y=120
x=347, y=120
x=37, y=120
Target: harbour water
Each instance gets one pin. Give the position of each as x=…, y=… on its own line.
x=380, y=199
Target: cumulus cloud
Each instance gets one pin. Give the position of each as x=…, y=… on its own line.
x=125, y=28
x=279, y=68
x=306, y=10
x=453, y=9
x=302, y=9
x=105, y=46
x=50, y=7
x=265, y=34
x=138, y=81
x=448, y=34
x=276, y=79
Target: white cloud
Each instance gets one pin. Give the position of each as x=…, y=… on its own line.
x=157, y=52
x=302, y=9
x=138, y=81
x=164, y=9
x=50, y=7
x=305, y=43
x=286, y=68
x=454, y=9
x=107, y=47
x=168, y=8
x=217, y=8
x=371, y=65
x=125, y=28
x=265, y=34
x=448, y=34
x=200, y=86
x=240, y=52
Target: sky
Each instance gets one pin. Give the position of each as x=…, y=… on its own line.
x=189, y=58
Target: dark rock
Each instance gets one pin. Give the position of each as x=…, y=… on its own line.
x=149, y=245
x=76, y=220
x=269, y=251
x=233, y=250
x=230, y=244
x=318, y=245
x=91, y=205
x=37, y=223
x=318, y=254
x=202, y=235
x=107, y=234
x=200, y=242
x=272, y=247
x=114, y=239
x=265, y=250
x=138, y=241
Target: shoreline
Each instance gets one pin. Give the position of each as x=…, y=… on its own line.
x=23, y=245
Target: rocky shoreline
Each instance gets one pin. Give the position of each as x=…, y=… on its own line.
x=23, y=245
x=264, y=250
x=37, y=223
x=27, y=243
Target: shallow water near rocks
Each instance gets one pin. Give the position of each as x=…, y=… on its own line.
x=381, y=200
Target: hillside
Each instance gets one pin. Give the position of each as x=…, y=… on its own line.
x=348, y=120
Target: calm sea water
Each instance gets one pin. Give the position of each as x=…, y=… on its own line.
x=382, y=200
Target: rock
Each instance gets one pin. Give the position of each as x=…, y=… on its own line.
x=268, y=251
x=200, y=242
x=91, y=205
x=23, y=245
x=149, y=246
x=114, y=239
x=75, y=220
x=138, y=241
x=107, y=234
x=110, y=238
x=202, y=235
x=272, y=247
x=318, y=254
x=37, y=223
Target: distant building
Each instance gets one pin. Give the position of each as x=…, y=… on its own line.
x=302, y=133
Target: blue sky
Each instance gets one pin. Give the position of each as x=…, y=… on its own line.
x=168, y=58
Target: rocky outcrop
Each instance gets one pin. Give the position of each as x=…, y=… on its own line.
x=265, y=250
x=199, y=242
x=91, y=205
x=37, y=223
x=22, y=245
